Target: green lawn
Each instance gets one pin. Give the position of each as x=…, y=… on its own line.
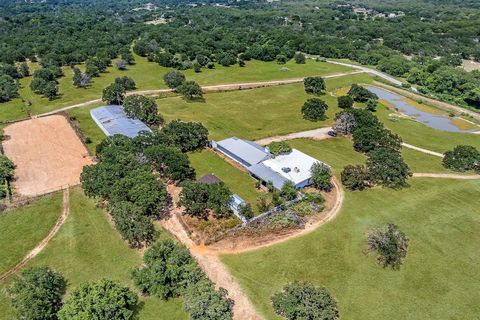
x=87, y=248
x=254, y=114
x=421, y=162
x=87, y=126
x=22, y=228
x=241, y=183
x=439, y=279
x=149, y=75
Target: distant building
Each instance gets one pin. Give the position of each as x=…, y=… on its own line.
x=113, y=120
x=245, y=152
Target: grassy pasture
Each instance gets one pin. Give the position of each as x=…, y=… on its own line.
x=257, y=113
x=87, y=248
x=22, y=228
x=149, y=75
x=439, y=279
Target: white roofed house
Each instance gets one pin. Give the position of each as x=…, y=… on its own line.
x=294, y=166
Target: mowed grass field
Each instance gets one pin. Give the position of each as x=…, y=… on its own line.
x=239, y=182
x=22, y=228
x=82, y=118
x=257, y=113
x=439, y=279
x=149, y=75
x=88, y=248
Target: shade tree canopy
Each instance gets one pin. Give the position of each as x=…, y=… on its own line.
x=114, y=94
x=174, y=79
x=103, y=299
x=314, y=85
x=299, y=301
x=390, y=243
x=37, y=293
x=361, y=94
x=143, y=108
x=462, y=158
x=314, y=109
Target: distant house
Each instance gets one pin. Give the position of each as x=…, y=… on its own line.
x=245, y=152
x=113, y=120
x=294, y=166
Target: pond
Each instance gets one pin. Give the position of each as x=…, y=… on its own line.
x=429, y=116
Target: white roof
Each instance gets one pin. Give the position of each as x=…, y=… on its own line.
x=298, y=162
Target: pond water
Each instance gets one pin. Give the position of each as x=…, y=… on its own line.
x=433, y=120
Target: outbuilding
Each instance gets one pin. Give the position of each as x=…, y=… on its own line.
x=247, y=153
x=113, y=120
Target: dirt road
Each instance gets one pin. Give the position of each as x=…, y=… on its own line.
x=446, y=176
x=316, y=134
x=426, y=151
x=35, y=251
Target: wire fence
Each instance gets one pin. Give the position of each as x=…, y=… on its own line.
x=21, y=200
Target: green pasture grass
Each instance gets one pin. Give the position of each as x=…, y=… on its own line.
x=88, y=248
x=149, y=75
x=22, y=228
x=87, y=126
x=439, y=279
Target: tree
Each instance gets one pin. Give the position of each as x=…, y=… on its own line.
x=37, y=293
x=133, y=225
x=391, y=245
x=299, y=58
x=187, y=136
x=121, y=64
x=202, y=60
x=8, y=88
x=372, y=105
x=314, y=109
x=345, y=123
x=241, y=63
x=173, y=79
x=199, y=198
x=462, y=158
x=387, y=168
x=288, y=191
x=23, y=70
x=321, y=176
x=368, y=138
x=127, y=56
x=190, y=90
x=203, y=302
x=142, y=188
x=126, y=82
x=170, y=162
x=246, y=211
x=300, y=301
x=103, y=299
x=165, y=59
x=80, y=80
x=167, y=271
x=197, y=67
x=345, y=102
x=91, y=69
x=114, y=94
x=281, y=59
x=142, y=108
x=360, y=94
x=280, y=147
x=355, y=177
x=7, y=169
x=263, y=204
x=50, y=91
x=314, y=85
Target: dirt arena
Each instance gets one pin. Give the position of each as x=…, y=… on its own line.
x=47, y=153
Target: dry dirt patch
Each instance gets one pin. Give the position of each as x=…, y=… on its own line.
x=47, y=153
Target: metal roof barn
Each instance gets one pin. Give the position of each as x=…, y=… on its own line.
x=247, y=153
x=113, y=120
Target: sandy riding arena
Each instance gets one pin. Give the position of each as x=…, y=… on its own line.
x=47, y=153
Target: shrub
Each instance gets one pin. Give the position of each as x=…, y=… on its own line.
x=321, y=176
x=300, y=301
x=355, y=177
x=246, y=211
x=278, y=148
x=288, y=191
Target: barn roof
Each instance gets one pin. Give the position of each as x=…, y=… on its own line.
x=113, y=120
x=248, y=151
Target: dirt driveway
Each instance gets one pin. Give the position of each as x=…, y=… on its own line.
x=47, y=154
